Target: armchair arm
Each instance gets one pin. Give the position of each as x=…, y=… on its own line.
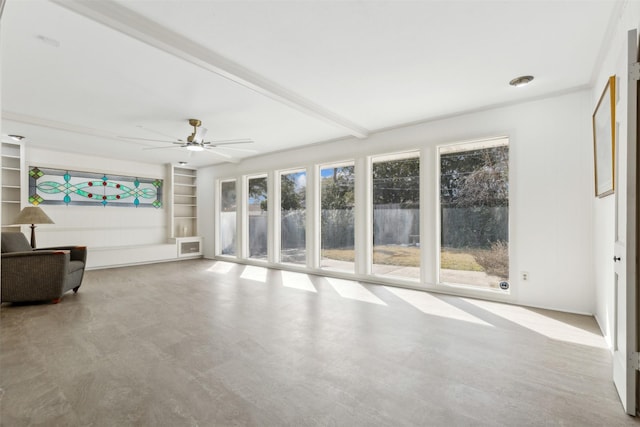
x=33, y=275
x=78, y=253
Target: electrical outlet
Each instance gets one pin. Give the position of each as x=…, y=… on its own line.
x=524, y=275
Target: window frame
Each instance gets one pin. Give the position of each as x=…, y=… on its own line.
x=278, y=216
x=387, y=157
x=454, y=288
x=218, y=219
x=245, y=223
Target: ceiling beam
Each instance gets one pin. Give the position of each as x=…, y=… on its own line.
x=52, y=124
x=126, y=21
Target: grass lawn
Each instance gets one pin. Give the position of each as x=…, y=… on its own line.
x=409, y=256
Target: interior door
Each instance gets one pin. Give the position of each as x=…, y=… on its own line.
x=625, y=303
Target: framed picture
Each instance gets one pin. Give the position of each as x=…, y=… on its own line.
x=604, y=140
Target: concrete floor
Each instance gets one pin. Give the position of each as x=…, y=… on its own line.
x=206, y=343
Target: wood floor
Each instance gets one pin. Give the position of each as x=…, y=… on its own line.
x=206, y=343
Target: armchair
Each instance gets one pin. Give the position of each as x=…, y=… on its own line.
x=39, y=274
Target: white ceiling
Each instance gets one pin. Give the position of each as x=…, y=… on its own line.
x=283, y=73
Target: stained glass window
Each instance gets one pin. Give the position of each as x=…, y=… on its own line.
x=65, y=187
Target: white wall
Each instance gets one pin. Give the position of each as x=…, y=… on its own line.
x=98, y=226
x=550, y=182
x=614, y=62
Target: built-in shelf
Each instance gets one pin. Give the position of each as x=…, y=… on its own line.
x=12, y=167
x=183, y=204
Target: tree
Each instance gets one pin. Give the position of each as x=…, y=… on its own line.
x=290, y=199
x=228, y=196
x=474, y=189
x=475, y=178
x=397, y=182
x=337, y=191
x=258, y=191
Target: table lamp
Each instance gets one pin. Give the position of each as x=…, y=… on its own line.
x=32, y=215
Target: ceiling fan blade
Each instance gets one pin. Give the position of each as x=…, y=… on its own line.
x=162, y=148
x=177, y=141
x=227, y=157
x=217, y=153
x=200, y=133
x=229, y=142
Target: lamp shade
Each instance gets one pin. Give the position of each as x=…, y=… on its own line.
x=32, y=215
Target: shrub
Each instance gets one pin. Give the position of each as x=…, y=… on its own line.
x=495, y=261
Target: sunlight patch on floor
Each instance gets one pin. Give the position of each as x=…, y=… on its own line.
x=353, y=290
x=552, y=324
x=430, y=304
x=258, y=274
x=221, y=267
x=300, y=281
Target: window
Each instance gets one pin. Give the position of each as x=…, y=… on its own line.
x=257, y=217
x=474, y=213
x=396, y=216
x=228, y=216
x=293, y=188
x=337, y=216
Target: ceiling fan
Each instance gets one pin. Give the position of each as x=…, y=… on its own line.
x=196, y=142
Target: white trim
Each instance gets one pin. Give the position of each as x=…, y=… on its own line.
x=401, y=155
x=314, y=236
x=363, y=229
x=458, y=147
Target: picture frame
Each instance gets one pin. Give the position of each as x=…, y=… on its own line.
x=604, y=140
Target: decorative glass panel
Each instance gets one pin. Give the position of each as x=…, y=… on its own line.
x=65, y=187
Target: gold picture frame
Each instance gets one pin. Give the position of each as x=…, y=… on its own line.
x=604, y=140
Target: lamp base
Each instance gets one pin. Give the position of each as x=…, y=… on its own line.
x=33, y=236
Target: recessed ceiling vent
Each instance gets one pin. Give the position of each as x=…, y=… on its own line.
x=521, y=81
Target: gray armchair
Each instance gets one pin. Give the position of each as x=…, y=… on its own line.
x=39, y=274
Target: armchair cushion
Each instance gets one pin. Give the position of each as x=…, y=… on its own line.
x=15, y=242
x=75, y=266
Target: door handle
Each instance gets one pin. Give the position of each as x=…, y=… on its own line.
x=616, y=258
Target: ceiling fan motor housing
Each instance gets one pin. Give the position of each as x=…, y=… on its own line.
x=196, y=124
